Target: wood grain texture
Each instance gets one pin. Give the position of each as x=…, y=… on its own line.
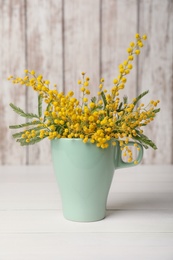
x=115, y=40
x=62, y=38
x=138, y=225
x=155, y=74
x=12, y=61
x=81, y=245
x=81, y=43
x=44, y=55
x=147, y=187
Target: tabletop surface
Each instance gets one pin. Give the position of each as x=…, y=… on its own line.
x=138, y=225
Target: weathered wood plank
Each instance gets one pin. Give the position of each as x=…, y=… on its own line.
x=115, y=39
x=94, y=245
x=52, y=221
x=12, y=61
x=44, y=55
x=81, y=43
x=155, y=74
x=95, y=35
x=119, y=25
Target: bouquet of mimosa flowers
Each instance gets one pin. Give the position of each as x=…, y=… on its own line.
x=101, y=120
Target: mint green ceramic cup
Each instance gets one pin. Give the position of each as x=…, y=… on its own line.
x=84, y=174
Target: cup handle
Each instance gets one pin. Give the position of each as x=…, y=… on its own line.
x=119, y=163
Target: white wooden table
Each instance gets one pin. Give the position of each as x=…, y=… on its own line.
x=138, y=226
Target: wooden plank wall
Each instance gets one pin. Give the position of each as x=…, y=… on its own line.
x=62, y=38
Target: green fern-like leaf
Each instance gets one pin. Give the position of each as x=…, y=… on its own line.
x=125, y=99
x=37, y=129
x=35, y=140
x=104, y=99
x=144, y=140
x=140, y=96
x=93, y=99
x=18, y=135
x=20, y=112
x=156, y=110
x=49, y=106
x=24, y=125
x=120, y=107
x=40, y=99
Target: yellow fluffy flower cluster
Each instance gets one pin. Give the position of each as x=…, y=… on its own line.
x=97, y=119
